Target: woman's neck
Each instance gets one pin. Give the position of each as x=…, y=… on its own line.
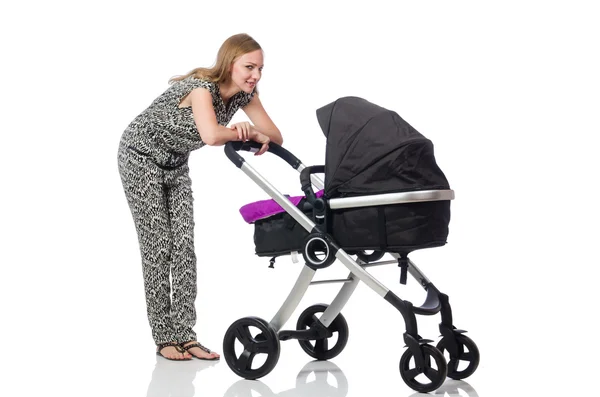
x=228, y=90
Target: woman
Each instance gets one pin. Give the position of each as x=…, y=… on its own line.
x=153, y=165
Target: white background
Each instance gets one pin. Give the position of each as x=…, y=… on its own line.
x=507, y=91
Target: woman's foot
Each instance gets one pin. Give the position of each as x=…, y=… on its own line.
x=172, y=351
x=199, y=351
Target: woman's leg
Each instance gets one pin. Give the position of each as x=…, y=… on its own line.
x=183, y=259
x=143, y=184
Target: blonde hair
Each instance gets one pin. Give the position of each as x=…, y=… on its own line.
x=231, y=49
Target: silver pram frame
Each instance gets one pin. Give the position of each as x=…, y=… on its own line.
x=423, y=367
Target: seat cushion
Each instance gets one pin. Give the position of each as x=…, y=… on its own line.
x=264, y=208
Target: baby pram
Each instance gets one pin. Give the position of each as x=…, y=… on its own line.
x=382, y=192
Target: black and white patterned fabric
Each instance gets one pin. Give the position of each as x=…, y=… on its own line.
x=164, y=130
x=153, y=166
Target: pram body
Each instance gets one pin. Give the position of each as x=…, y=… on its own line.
x=383, y=192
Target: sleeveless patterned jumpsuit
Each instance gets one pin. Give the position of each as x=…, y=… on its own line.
x=153, y=165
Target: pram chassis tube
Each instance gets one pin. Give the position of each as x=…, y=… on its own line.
x=390, y=198
x=417, y=274
x=295, y=296
x=361, y=273
x=339, y=302
x=341, y=280
x=380, y=263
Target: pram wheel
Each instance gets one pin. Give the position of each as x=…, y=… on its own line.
x=436, y=376
x=265, y=342
x=321, y=349
x=471, y=355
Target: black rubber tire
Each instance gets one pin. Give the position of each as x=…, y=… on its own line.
x=266, y=342
x=472, y=356
x=436, y=377
x=321, y=350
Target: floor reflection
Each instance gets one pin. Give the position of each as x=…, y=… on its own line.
x=452, y=388
x=315, y=379
x=174, y=378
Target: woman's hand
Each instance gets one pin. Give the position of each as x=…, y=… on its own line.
x=260, y=138
x=244, y=130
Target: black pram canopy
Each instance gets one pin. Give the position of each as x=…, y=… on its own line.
x=372, y=150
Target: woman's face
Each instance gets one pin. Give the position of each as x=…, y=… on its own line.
x=247, y=70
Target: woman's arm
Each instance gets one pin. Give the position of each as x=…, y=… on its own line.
x=261, y=120
x=205, y=118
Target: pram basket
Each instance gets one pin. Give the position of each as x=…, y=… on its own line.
x=338, y=223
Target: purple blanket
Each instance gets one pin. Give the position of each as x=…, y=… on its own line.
x=262, y=209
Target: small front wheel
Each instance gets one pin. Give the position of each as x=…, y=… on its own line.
x=431, y=377
x=265, y=342
x=467, y=351
x=323, y=349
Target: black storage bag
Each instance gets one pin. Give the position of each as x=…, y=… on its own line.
x=280, y=234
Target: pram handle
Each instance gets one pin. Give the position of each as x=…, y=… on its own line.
x=232, y=147
x=306, y=183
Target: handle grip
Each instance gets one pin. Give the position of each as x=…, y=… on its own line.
x=232, y=147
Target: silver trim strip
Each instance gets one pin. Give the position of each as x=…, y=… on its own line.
x=391, y=198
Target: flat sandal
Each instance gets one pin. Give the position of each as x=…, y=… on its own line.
x=177, y=347
x=196, y=344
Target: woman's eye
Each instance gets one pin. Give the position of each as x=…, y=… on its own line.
x=249, y=66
